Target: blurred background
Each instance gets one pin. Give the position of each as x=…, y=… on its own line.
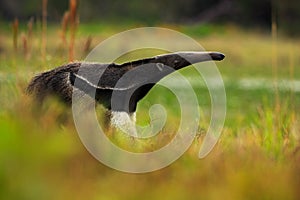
x=246, y=13
x=258, y=154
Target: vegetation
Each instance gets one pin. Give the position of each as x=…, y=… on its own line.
x=257, y=156
x=246, y=13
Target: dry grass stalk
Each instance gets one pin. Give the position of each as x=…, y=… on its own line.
x=73, y=26
x=15, y=30
x=30, y=34
x=44, y=29
x=25, y=45
x=292, y=72
x=274, y=33
x=30, y=27
x=64, y=26
x=87, y=45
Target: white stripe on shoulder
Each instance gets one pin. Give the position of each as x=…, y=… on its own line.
x=99, y=87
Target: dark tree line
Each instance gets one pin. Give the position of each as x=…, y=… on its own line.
x=243, y=12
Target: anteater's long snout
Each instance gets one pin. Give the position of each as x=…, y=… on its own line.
x=216, y=56
x=195, y=57
x=179, y=60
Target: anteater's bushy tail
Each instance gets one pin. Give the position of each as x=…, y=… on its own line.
x=55, y=81
x=38, y=87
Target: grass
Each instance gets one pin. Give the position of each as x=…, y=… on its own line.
x=257, y=156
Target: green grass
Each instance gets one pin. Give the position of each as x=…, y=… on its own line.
x=257, y=156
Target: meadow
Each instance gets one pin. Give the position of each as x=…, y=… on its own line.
x=257, y=156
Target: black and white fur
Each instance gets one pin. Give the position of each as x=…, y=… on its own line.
x=100, y=81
